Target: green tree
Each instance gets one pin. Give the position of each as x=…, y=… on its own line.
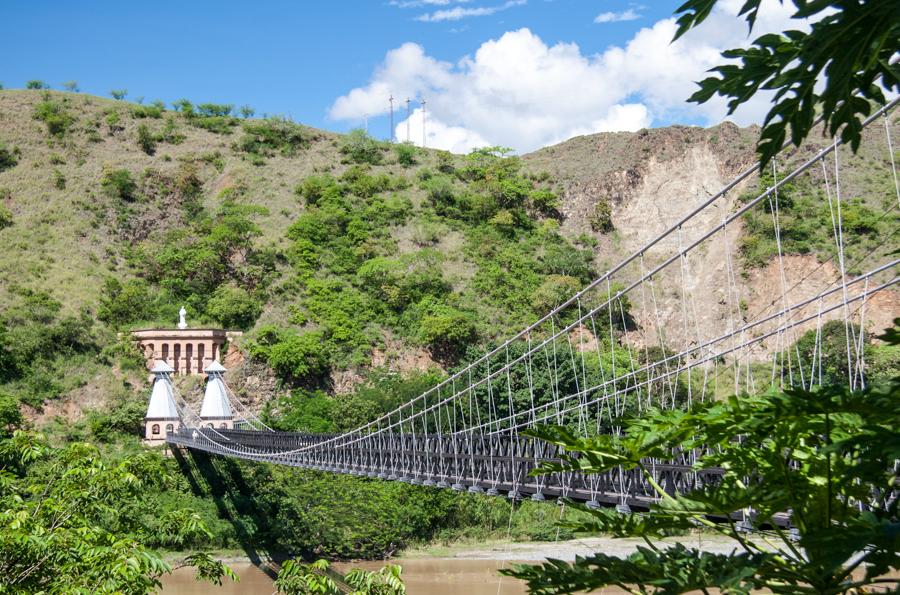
x=839, y=68
x=36, y=84
x=55, y=508
x=295, y=357
x=121, y=303
x=447, y=330
x=247, y=111
x=233, y=307
x=118, y=94
x=825, y=456
x=71, y=86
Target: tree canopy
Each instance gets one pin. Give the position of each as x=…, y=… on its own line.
x=839, y=68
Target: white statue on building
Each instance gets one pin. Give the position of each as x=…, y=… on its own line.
x=181, y=314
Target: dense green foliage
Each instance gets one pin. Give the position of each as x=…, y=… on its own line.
x=354, y=286
x=72, y=521
x=212, y=266
x=296, y=578
x=38, y=344
x=811, y=72
x=826, y=456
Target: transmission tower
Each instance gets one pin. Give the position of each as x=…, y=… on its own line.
x=423, y=122
x=391, y=101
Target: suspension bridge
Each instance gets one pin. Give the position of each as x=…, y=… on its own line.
x=610, y=351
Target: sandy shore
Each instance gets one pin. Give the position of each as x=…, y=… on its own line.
x=561, y=550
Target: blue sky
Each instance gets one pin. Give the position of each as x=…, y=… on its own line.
x=299, y=58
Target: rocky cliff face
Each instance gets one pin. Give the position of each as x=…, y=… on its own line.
x=648, y=180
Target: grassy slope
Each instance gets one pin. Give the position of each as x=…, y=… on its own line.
x=63, y=240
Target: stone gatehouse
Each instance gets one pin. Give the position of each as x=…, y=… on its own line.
x=186, y=350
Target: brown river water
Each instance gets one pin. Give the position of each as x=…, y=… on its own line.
x=431, y=576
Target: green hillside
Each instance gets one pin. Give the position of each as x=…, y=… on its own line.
x=360, y=272
x=323, y=247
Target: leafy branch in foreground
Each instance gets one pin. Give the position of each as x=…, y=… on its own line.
x=841, y=66
x=57, y=527
x=296, y=578
x=826, y=457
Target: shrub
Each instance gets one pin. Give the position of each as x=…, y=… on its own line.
x=71, y=86
x=145, y=140
x=445, y=329
x=36, y=84
x=314, y=188
x=6, y=217
x=59, y=180
x=405, y=280
x=8, y=157
x=113, y=120
x=274, y=134
x=601, y=219
x=121, y=303
x=55, y=116
x=247, y=111
x=406, y=154
x=118, y=183
x=292, y=356
x=359, y=147
x=445, y=162
x=154, y=110
x=215, y=124
x=118, y=94
x=545, y=201
x=233, y=307
x=170, y=133
x=553, y=291
x=11, y=417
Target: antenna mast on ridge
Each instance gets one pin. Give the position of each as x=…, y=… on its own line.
x=423, y=122
x=391, y=101
x=407, y=119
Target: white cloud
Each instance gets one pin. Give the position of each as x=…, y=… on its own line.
x=438, y=135
x=616, y=17
x=459, y=12
x=518, y=91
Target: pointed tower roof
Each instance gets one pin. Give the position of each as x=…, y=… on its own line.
x=215, y=400
x=215, y=367
x=162, y=399
x=162, y=367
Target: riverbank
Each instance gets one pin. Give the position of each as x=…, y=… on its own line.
x=465, y=566
x=509, y=550
x=526, y=551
